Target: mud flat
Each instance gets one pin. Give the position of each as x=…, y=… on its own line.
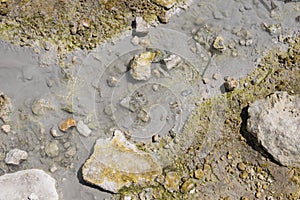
x=177, y=88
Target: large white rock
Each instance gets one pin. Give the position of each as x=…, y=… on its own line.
x=28, y=184
x=275, y=122
x=116, y=163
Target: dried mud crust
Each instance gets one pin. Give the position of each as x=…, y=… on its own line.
x=71, y=24
x=237, y=167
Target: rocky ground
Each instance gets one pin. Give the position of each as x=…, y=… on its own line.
x=158, y=99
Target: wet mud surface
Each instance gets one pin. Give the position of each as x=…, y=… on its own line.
x=184, y=116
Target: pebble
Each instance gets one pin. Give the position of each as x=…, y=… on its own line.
x=54, y=133
x=172, y=181
x=230, y=84
x=244, y=175
x=135, y=41
x=205, y=80
x=198, y=174
x=68, y=123
x=52, y=149
x=219, y=44
x=155, y=138
x=112, y=81
x=241, y=166
x=140, y=27
x=53, y=169
x=216, y=76
x=187, y=186
x=15, y=156
x=5, y=128
x=33, y=196
x=83, y=129
x=172, y=61
x=71, y=152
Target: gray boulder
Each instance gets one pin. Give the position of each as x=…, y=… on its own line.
x=275, y=122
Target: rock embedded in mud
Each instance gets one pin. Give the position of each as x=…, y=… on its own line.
x=140, y=66
x=52, y=149
x=275, y=122
x=219, y=44
x=172, y=61
x=5, y=107
x=28, y=184
x=116, y=163
x=15, y=156
x=230, y=84
x=140, y=27
x=83, y=129
x=68, y=123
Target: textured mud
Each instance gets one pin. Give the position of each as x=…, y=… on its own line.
x=55, y=69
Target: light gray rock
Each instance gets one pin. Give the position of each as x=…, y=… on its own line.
x=275, y=122
x=140, y=66
x=83, y=129
x=52, y=149
x=116, y=163
x=172, y=61
x=141, y=27
x=29, y=184
x=15, y=156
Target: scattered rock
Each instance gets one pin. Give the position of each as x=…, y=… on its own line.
x=52, y=149
x=140, y=27
x=68, y=123
x=219, y=44
x=241, y=166
x=29, y=184
x=5, y=107
x=15, y=156
x=172, y=61
x=275, y=122
x=187, y=186
x=165, y=3
x=135, y=41
x=5, y=128
x=216, y=76
x=165, y=17
x=116, y=163
x=155, y=138
x=112, y=81
x=198, y=174
x=230, y=84
x=83, y=129
x=40, y=106
x=143, y=116
x=172, y=181
x=54, y=133
x=205, y=80
x=140, y=66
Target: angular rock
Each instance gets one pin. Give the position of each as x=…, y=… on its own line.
x=165, y=3
x=83, y=129
x=68, y=123
x=28, y=184
x=140, y=27
x=6, y=128
x=219, y=44
x=5, y=107
x=231, y=83
x=140, y=66
x=116, y=163
x=172, y=61
x=275, y=122
x=172, y=181
x=15, y=156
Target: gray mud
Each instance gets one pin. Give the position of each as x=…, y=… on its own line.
x=79, y=89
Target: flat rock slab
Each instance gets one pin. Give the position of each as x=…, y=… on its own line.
x=275, y=122
x=116, y=163
x=28, y=184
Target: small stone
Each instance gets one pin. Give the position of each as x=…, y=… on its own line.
x=53, y=169
x=68, y=123
x=143, y=116
x=71, y=152
x=216, y=76
x=241, y=166
x=33, y=196
x=15, y=156
x=172, y=181
x=219, y=44
x=54, y=133
x=5, y=107
x=52, y=149
x=258, y=194
x=187, y=186
x=249, y=42
x=244, y=198
x=140, y=66
x=198, y=174
x=83, y=129
x=244, y=175
x=112, y=81
x=231, y=84
x=229, y=156
x=155, y=87
x=172, y=61
x=135, y=41
x=140, y=27
x=205, y=80
x=165, y=16
x=242, y=42
x=155, y=138
x=5, y=128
